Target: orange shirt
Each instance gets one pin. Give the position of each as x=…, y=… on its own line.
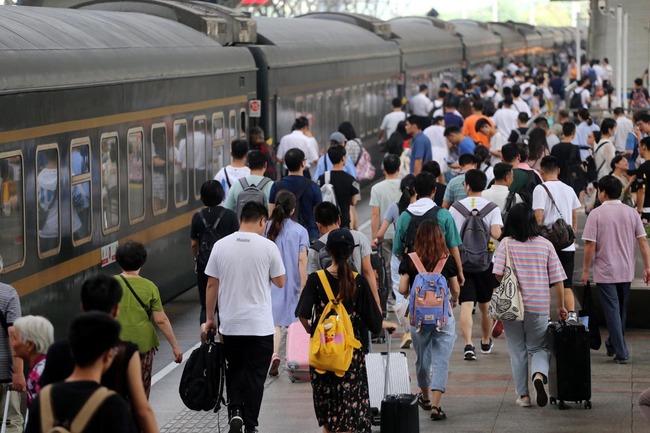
x=468, y=129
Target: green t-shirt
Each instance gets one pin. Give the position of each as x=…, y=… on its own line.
x=136, y=325
x=445, y=221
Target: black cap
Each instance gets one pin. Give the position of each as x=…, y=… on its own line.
x=340, y=237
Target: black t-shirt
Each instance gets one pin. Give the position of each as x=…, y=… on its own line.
x=60, y=364
x=68, y=398
x=345, y=188
x=310, y=197
x=643, y=180
x=227, y=226
x=365, y=305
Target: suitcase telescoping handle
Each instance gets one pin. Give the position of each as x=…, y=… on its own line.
x=389, y=332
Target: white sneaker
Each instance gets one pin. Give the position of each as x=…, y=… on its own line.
x=524, y=402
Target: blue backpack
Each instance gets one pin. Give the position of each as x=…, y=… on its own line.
x=429, y=303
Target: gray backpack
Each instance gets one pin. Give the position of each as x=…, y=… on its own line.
x=476, y=237
x=251, y=193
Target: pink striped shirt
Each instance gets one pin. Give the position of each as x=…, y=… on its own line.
x=537, y=267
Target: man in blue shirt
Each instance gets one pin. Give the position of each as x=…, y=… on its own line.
x=307, y=193
x=325, y=164
x=420, y=145
x=464, y=143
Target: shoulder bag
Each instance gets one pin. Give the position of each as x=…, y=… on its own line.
x=506, y=303
x=560, y=234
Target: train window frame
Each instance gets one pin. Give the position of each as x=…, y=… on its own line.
x=197, y=188
x=243, y=124
x=54, y=251
x=80, y=179
x=138, y=219
x=218, y=142
x=377, y=119
x=163, y=209
x=109, y=230
x=187, y=170
x=7, y=155
x=309, y=111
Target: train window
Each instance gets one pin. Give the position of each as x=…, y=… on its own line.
x=110, y=183
x=136, y=175
x=232, y=124
x=48, y=195
x=300, y=107
x=180, y=162
x=161, y=157
x=200, y=154
x=80, y=183
x=243, y=124
x=345, y=105
x=12, y=215
x=217, y=142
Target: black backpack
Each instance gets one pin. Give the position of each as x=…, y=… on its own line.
x=204, y=377
x=414, y=224
x=576, y=99
x=209, y=237
x=510, y=201
x=590, y=163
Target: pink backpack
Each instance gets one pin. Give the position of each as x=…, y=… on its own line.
x=639, y=99
x=365, y=169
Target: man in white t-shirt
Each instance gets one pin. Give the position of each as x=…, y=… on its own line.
x=518, y=103
x=505, y=118
x=237, y=169
x=498, y=193
x=420, y=104
x=298, y=139
x=623, y=127
x=566, y=207
x=391, y=120
x=478, y=286
x=243, y=294
x=439, y=147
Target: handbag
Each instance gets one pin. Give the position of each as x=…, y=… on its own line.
x=506, y=303
x=588, y=318
x=560, y=234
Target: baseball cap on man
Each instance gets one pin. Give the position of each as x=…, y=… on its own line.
x=337, y=137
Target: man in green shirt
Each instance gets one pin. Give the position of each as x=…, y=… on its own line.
x=425, y=188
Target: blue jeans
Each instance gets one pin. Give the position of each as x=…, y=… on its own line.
x=614, y=298
x=432, y=352
x=527, y=338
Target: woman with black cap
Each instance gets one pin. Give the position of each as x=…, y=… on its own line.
x=342, y=403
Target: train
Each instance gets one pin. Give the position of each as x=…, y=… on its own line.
x=113, y=113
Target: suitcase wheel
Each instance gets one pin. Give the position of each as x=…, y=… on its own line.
x=552, y=400
x=292, y=379
x=587, y=404
x=561, y=405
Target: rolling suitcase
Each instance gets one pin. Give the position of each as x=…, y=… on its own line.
x=389, y=389
x=569, y=375
x=297, y=353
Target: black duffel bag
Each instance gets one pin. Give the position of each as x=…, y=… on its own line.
x=560, y=234
x=204, y=377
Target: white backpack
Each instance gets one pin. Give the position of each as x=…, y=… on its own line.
x=327, y=190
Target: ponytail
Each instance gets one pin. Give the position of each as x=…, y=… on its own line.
x=347, y=285
x=405, y=199
x=285, y=203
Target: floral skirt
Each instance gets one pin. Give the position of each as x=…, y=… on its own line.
x=343, y=403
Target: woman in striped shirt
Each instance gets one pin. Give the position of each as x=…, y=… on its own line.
x=537, y=267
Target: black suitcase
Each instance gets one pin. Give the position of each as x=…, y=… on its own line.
x=399, y=414
x=569, y=374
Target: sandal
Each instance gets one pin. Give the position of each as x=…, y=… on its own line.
x=424, y=404
x=437, y=413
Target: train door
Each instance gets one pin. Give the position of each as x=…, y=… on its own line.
x=218, y=142
x=181, y=163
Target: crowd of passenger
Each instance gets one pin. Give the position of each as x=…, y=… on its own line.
x=523, y=150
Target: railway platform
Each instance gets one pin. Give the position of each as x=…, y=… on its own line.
x=480, y=396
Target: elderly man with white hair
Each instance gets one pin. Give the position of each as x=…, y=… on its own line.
x=11, y=367
x=30, y=338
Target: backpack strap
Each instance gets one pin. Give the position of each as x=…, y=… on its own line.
x=263, y=183
x=461, y=209
x=487, y=209
x=420, y=267
x=360, y=151
x=244, y=183
x=317, y=245
x=303, y=189
x=215, y=225
x=326, y=286
x=510, y=200
x=602, y=163
x=45, y=406
x=552, y=200
x=89, y=409
x=328, y=177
